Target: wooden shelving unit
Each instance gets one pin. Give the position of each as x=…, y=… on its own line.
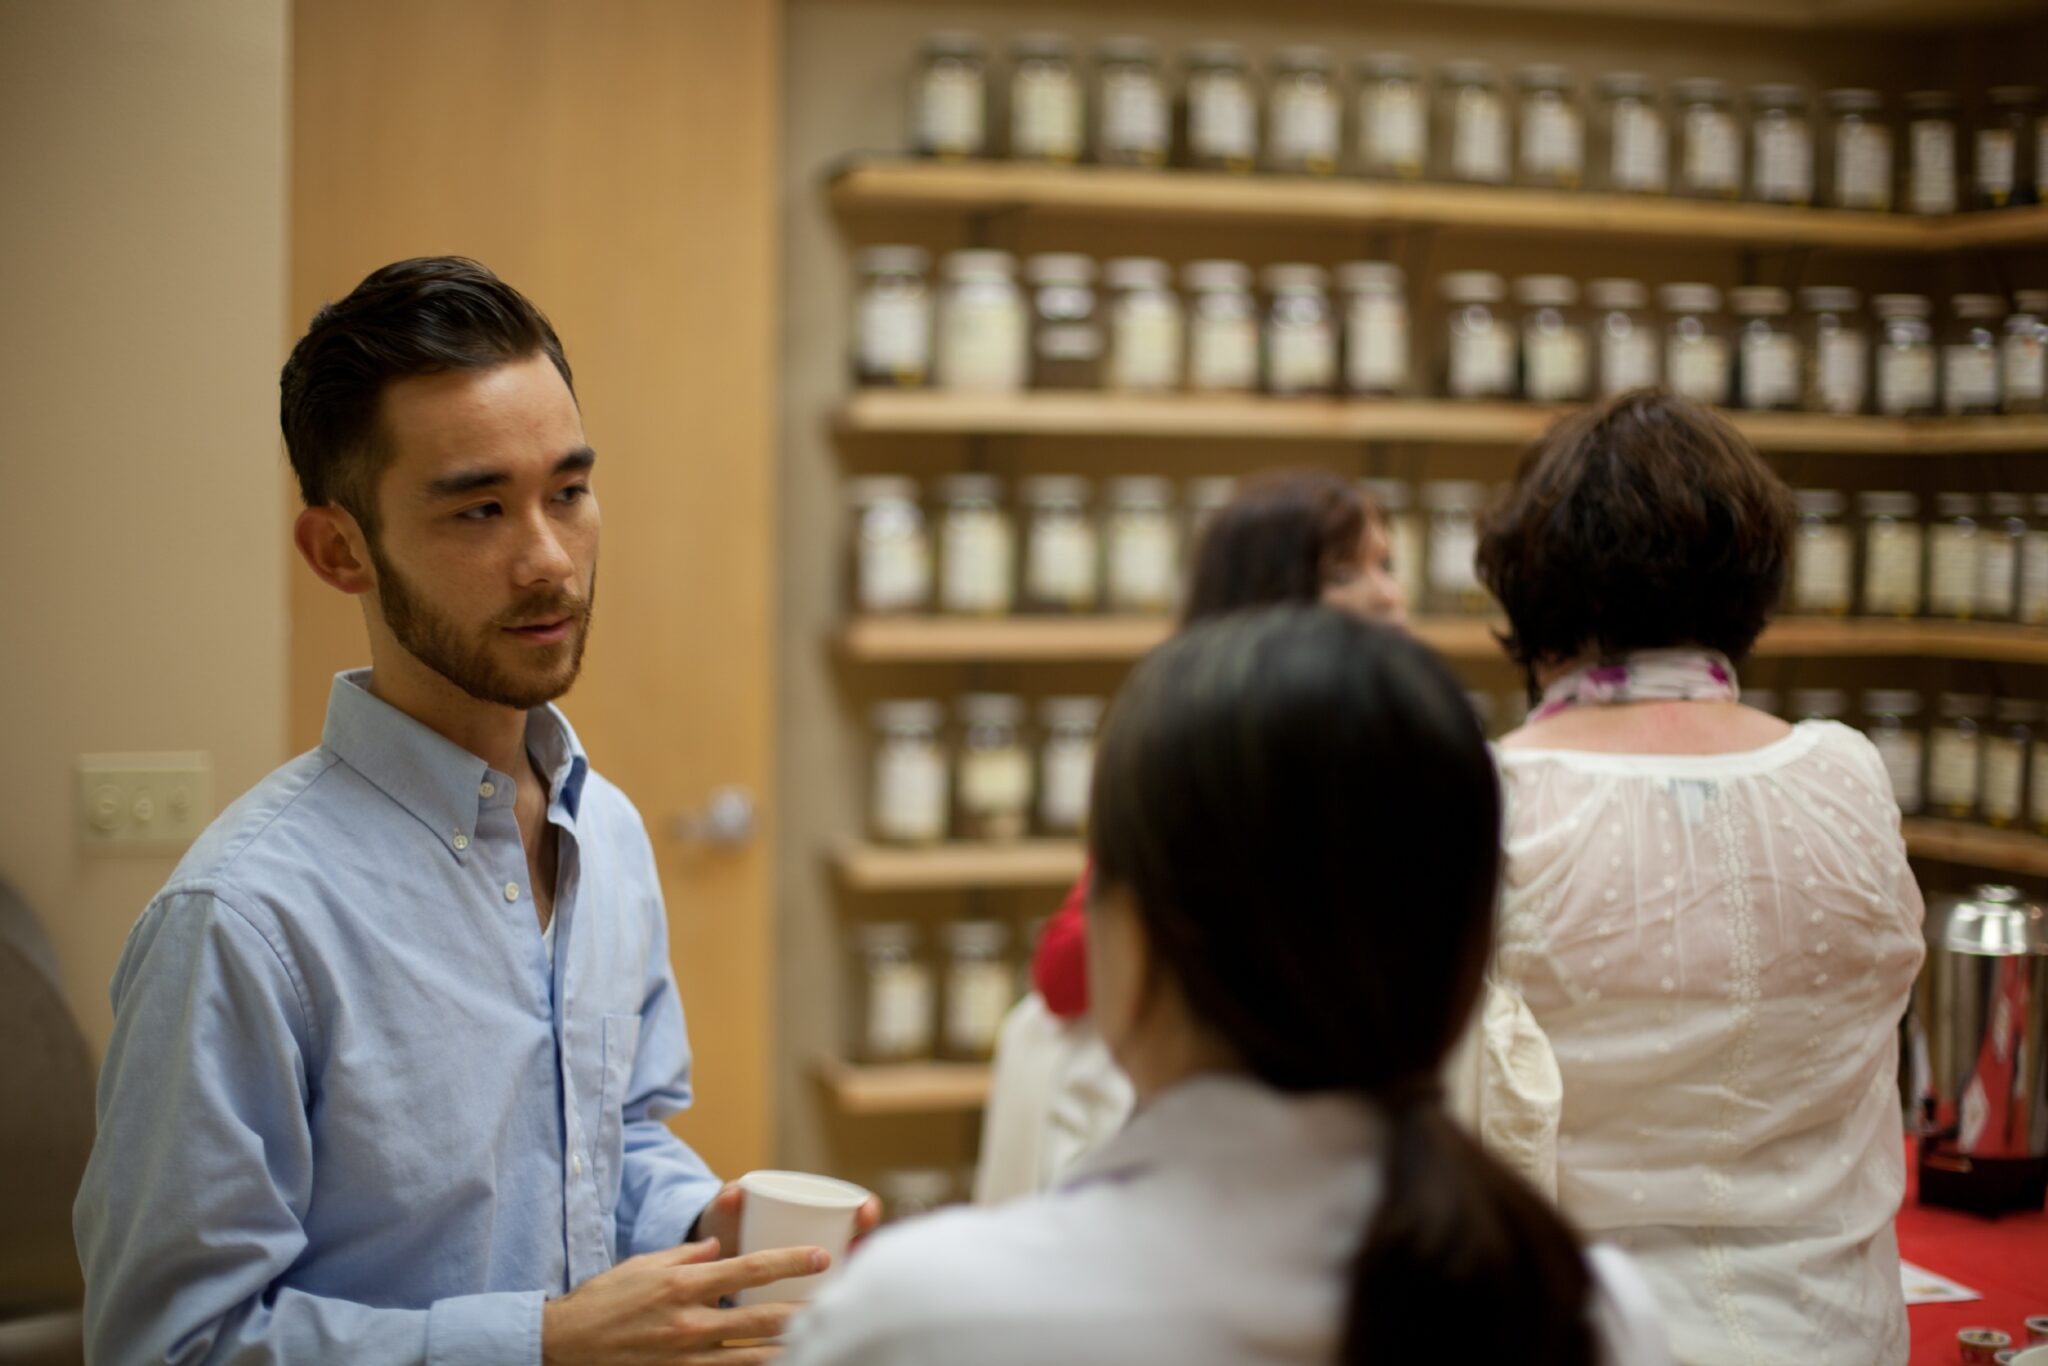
x=2005, y=851
x=1028, y=863
x=905, y=1089
x=888, y=412
x=896, y=184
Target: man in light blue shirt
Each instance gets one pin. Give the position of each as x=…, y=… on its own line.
x=393, y=1048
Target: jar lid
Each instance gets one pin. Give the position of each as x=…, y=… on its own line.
x=1902, y=305
x=1615, y=293
x=1056, y=488
x=1700, y=90
x=915, y=1186
x=1891, y=702
x=1930, y=102
x=1302, y=57
x=1041, y=47
x=2033, y=301
x=1889, y=503
x=1472, y=287
x=1955, y=505
x=1977, y=306
x=1625, y=85
x=1137, y=272
x=1761, y=699
x=990, y=709
x=1994, y=922
x=1387, y=66
x=1225, y=275
x=955, y=43
x=1294, y=275
x=1388, y=495
x=1689, y=298
x=2016, y=711
x=1964, y=704
x=1060, y=268
x=892, y=260
x=1547, y=291
x=908, y=713
x=1543, y=76
x=1214, y=54
x=971, y=488
x=977, y=936
x=1820, y=502
x=1141, y=488
x=1853, y=100
x=1828, y=299
x=882, y=488
x=1452, y=495
x=980, y=265
x=1759, y=301
x=1211, y=492
x=1777, y=95
x=1072, y=713
x=2006, y=504
x=2008, y=95
x=1370, y=277
x=1825, y=703
x=1466, y=73
x=889, y=936
x=1126, y=47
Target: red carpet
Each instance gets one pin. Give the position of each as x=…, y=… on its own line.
x=2005, y=1260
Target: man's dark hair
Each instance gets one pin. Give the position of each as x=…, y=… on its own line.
x=1641, y=523
x=415, y=317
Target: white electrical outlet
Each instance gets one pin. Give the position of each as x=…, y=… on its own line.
x=143, y=803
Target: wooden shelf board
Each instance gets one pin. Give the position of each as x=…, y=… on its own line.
x=2005, y=851
x=906, y=1088
x=2002, y=228
x=943, y=640
x=1239, y=417
x=1026, y=863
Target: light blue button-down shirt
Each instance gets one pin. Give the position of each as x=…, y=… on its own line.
x=349, y=1112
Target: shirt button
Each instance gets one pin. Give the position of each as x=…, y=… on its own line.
x=487, y=790
x=576, y=1163
x=461, y=841
x=511, y=891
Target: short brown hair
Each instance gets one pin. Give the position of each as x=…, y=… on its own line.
x=1640, y=523
x=1279, y=540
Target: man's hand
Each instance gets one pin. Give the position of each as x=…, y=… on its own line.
x=721, y=1218
x=663, y=1308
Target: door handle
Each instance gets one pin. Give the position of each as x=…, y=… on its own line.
x=728, y=820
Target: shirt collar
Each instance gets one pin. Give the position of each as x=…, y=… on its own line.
x=1221, y=1116
x=439, y=782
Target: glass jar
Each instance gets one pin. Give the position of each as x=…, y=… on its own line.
x=911, y=1191
x=1970, y=355
x=2004, y=541
x=1062, y=553
x=1906, y=373
x=1393, y=119
x=1859, y=146
x=1207, y=496
x=1473, y=117
x=1631, y=145
x=1066, y=762
x=2038, y=781
x=1066, y=336
x=1893, y=722
x=2005, y=146
x=1954, y=544
x=994, y=785
x=1819, y=704
x=1695, y=350
x=977, y=548
x=1048, y=112
x=892, y=557
x=1552, y=130
x=908, y=802
x=1144, y=546
x=1556, y=360
x=892, y=317
x=980, y=988
x=1304, y=118
x=1479, y=356
x=1823, y=556
x=1892, y=553
x=1375, y=327
x=1131, y=123
x=949, y=102
x=1837, y=351
x=1454, y=506
x=1393, y=501
x=1767, y=350
x=1781, y=145
x=2033, y=598
x=983, y=327
x=1931, y=120
x=1709, y=140
x=2023, y=367
x=894, y=1003
x=2041, y=178
x=1627, y=353
x=1222, y=109
x=2014, y=723
x=1301, y=335
x=1223, y=327
x=1955, y=756
x=1144, y=326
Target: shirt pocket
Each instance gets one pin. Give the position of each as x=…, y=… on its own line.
x=621, y=1046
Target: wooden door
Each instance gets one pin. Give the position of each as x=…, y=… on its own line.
x=614, y=160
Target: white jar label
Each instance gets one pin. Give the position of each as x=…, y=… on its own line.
x=1628, y=359
x=1891, y=572
x=1905, y=379
x=1997, y=575
x=1697, y=368
x=1997, y=157
x=1842, y=364
x=1376, y=344
x=1713, y=152
x=1300, y=359
x=975, y=568
x=1483, y=362
x=895, y=574
x=1060, y=561
x=1969, y=377
x=1144, y=563
x=1134, y=114
x=2033, y=603
x=1069, y=770
x=1821, y=576
x=1770, y=371
x=2040, y=785
x=1045, y=115
x=1405, y=550
x=1784, y=162
x=1305, y=122
x=895, y=336
x=2005, y=792
x=1454, y=557
x=1951, y=570
x=950, y=116
x=1901, y=751
x=995, y=781
x=1863, y=167
x=899, y=1011
x=1955, y=768
x=1479, y=137
x=1221, y=120
x=983, y=345
x=1555, y=365
x=1145, y=344
x=2025, y=365
x=1223, y=355
x=1933, y=187
x=910, y=793
x=978, y=995
x=1553, y=141
x=1641, y=150
x=1396, y=125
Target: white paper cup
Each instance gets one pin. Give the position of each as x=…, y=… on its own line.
x=795, y=1209
x=2032, y=1356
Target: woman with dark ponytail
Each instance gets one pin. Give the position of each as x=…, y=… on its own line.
x=1296, y=831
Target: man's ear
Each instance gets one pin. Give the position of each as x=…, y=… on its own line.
x=335, y=549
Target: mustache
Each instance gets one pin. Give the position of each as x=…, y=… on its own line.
x=544, y=607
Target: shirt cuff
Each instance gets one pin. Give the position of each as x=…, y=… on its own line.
x=500, y=1329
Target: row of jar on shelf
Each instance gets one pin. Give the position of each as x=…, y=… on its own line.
x=1555, y=343
x=922, y=996
x=1963, y=756
x=1695, y=140
x=1980, y=558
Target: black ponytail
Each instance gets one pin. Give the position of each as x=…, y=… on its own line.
x=1305, y=813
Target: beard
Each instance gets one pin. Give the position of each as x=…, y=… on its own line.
x=469, y=659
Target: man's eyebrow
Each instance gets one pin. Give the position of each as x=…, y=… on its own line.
x=473, y=481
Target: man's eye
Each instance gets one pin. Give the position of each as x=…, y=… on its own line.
x=573, y=493
x=482, y=512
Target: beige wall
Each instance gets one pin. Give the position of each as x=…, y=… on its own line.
x=141, y=537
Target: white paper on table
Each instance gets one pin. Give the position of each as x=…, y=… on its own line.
x=1924, y=1287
